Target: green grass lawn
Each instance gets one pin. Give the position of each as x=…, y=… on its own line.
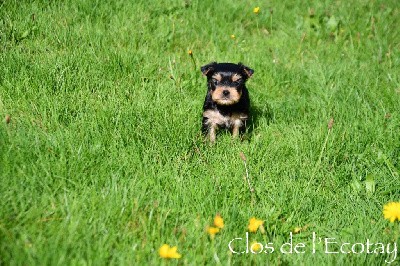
x=101, y=156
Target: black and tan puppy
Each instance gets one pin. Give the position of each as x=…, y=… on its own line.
x=227, y=102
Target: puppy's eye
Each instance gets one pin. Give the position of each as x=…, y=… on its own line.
x=215, y=81
x=238, y=81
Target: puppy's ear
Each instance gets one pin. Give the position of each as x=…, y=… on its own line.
x=208, y=68
x=246, y=70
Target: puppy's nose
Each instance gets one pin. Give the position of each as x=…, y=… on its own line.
x=225, y=92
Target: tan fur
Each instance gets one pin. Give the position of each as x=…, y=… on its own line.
x=217, y=76
x=237, y=120
x=215, y=119
x=248, y=73
x=235, y=131
x=213, y=132
x=232, y=98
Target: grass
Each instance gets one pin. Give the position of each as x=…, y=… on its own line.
x=102, y=160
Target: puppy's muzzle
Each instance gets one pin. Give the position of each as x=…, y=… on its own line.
x=224, y=95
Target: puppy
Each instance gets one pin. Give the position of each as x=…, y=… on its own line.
x=227, y=101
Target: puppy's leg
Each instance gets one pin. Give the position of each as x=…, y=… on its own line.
x=210, y=129
x=213, y=132
x=238, y=122
x=236, y=126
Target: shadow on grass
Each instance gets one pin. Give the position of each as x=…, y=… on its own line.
x=259, y=115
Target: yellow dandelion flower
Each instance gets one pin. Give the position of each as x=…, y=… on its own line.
x=168, y=252
x=212, y=231
x=218, y=221
x=256, y=10
x=190, y=52
x=391, y=211
x=163, y=251
x=297, y=230
x=233, y=36
x=255, y=246
x=254, y=224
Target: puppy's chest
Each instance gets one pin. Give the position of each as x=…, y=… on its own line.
x=225, y=120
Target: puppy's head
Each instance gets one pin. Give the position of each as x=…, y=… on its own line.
x=226, y=81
